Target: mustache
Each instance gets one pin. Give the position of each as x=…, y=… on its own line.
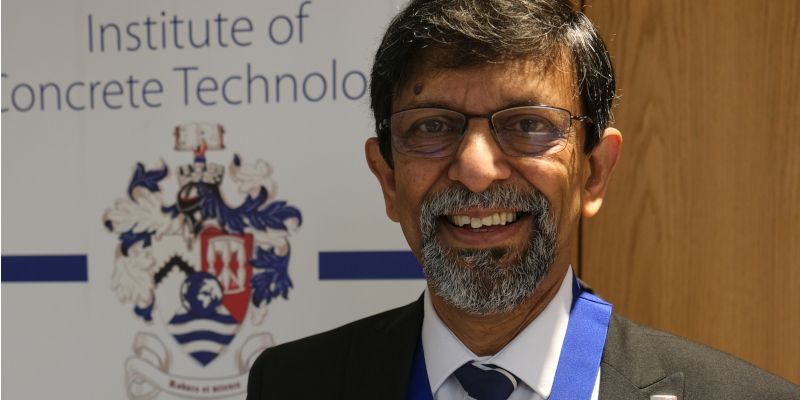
x=457, y=198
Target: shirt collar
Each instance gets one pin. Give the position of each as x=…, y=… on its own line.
x=532, y=355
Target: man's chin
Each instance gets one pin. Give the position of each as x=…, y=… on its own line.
x=471, y=279
x=501, y=257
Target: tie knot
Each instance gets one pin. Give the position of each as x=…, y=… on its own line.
x=486, y=381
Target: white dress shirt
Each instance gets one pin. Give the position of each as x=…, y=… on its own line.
x=532, y=356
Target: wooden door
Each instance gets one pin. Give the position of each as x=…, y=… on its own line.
x=700, y=231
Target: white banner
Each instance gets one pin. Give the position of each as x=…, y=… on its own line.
x=183, y=186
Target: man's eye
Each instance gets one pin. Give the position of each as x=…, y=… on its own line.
x=431, y=127
x=531, y=125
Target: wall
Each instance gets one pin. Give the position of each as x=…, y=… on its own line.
x=699, y=233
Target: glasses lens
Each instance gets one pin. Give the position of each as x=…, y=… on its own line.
x=532, y=131
x=426, y=132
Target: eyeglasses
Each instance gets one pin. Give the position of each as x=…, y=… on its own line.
x=526, y=131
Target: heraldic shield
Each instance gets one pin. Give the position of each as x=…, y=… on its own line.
x=204, y=266
x=215, y=299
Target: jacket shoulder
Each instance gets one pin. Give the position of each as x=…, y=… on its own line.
x=287, y=370
x=646, y=355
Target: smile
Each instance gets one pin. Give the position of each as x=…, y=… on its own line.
x=495, y=219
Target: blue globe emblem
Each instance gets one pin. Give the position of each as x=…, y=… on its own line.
x=201, y=294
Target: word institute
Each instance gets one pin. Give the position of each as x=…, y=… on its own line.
x=175, y=32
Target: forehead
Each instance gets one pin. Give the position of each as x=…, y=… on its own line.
x=489, y=87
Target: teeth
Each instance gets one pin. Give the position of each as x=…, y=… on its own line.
x=501, y=218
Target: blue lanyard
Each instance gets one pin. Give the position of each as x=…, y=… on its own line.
x=580, y=356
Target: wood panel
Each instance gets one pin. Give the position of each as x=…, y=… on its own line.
x=700, y=231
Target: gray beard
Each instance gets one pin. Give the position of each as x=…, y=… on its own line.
x=487, y=281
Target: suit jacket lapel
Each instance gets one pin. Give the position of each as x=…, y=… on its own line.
x=380, y=356
x=630, y=369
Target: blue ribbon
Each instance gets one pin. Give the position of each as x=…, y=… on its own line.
x=583, y=345
x=578, y=363
x=419, y=388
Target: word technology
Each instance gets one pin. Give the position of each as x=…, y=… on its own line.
x=251, y=87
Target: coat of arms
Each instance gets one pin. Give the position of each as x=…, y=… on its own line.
x=201, y=267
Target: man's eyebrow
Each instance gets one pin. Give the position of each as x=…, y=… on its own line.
x=530, y=101
x=426, y=105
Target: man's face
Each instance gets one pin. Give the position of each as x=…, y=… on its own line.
x=480, y=164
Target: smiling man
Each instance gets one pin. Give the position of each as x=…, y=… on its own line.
x=492, y=141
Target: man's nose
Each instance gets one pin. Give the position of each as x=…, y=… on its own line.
x=479, y=161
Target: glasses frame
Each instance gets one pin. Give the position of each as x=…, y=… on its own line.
x=386, y=124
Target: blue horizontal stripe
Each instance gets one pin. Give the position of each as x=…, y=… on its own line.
x=335, y=265
x=189, y=317
x=332, y=266
x=203, y=335
x=45, y=268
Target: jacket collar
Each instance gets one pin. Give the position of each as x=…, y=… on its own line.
x=631, y=369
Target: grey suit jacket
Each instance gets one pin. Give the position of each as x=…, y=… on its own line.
x=371, y=359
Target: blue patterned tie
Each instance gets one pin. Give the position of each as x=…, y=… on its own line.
x=486, y=381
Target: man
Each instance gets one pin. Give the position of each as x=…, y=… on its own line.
x=493, y=139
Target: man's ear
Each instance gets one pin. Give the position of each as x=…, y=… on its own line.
x=601, y=165
x=385, y=174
